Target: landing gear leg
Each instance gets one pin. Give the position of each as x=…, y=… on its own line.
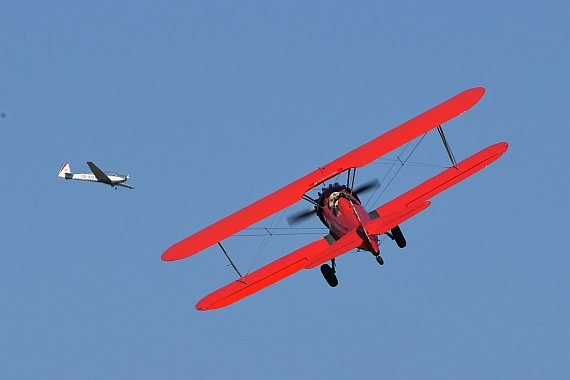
x=379, y=258
x=397, y=235
x=329, y=273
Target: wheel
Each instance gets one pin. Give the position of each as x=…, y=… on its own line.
x=398, y=236
x=329, y=275
x=380, y=260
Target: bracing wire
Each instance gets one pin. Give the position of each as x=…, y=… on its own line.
x=402, y=164
x=388, y=161
x=269, y=233
x=284, y=231
x=273, y=230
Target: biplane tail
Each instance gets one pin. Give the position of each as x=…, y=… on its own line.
x=65, y=172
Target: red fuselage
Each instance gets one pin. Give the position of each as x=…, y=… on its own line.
x=341, y=212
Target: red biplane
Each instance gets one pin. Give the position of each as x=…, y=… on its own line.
x=339, y=208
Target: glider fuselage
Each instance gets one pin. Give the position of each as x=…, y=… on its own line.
x=114, y=178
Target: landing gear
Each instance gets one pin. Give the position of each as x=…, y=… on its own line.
x=329, y=274
x=397, y=235
x=380, y=260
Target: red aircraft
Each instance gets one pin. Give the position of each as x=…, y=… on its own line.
x=339, y=208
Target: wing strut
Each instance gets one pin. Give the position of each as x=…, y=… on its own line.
x=232, y=263
x=349, y=179
x=447, y=147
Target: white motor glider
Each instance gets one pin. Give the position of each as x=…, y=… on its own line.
x=109, y=178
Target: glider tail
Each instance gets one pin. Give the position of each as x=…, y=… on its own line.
x=65, y=171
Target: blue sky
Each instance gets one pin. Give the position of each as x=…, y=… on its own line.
x=210, y=106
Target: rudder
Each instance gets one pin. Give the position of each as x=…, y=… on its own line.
x=65, y=171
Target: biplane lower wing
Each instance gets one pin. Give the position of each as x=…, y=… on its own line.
x=293, y=192
x=384, y=219
x=440, y=182
x=416, y=200
x=384, y=224
x=276, y=271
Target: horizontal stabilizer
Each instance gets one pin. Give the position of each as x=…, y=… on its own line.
x=123, y=185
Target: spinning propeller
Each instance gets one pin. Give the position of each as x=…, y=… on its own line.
x=300, y=216
x=372, y=184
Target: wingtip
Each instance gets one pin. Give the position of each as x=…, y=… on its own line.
x=477, y=92
x=175, y=252
x=210, y=303
x=201, y=307
x=168, y=255
x=502, y=147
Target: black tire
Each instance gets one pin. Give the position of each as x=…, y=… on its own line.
x=398, y=236
x=329, y=275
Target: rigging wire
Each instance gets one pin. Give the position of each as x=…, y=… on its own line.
x=282, y=234
x=402, y=163
x=390, y=161
x=267, y=233
x=283, y=231
x=272, y=226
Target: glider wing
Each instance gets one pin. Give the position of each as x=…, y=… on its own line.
x=293, y=192
x=101, y=177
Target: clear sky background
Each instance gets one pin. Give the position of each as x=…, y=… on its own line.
x=212, y=105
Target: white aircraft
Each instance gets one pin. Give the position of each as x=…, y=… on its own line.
x=109, y=178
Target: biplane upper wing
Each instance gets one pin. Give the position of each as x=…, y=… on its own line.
x=293, y=192
x=277, y=270
x=101, y=177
